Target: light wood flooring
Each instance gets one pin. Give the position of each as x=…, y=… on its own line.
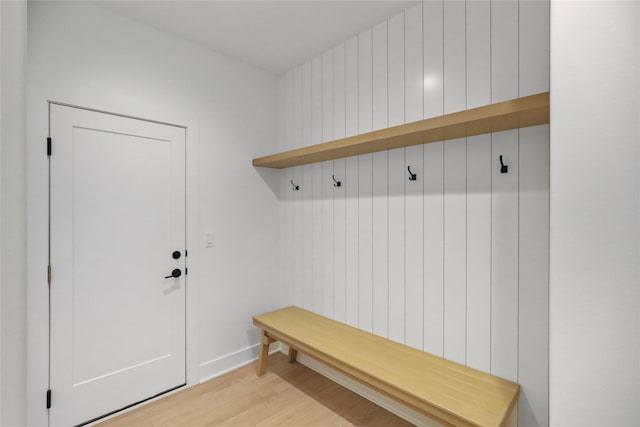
x=287, y=395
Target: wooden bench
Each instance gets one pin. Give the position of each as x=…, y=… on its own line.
x=446, y=391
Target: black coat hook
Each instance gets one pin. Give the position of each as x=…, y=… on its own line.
x=294, y=187
x=503, y=168
x=412, y=176
x=336, y=183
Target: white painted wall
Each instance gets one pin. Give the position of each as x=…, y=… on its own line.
x=83, y=54
x=456, y=262
x=13, y=295
x=594, y=277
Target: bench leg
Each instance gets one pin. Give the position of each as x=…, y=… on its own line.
x=264, y=353
x=292, y=354
x=512, y=420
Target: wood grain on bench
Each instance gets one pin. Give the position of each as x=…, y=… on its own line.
x=447, y=391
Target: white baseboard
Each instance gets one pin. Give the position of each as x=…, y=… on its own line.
x=221, y=365
x=379, y=399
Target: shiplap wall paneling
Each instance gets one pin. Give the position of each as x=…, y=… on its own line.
x=433, y=211
x=380, y=183
x=351, y=181
x=433, y=163
x=339, y=195
x=504, y=292
x=414, y=219
x=433, y=58
x=397, y=178
x=306, y=188
x=295, y=174
x=533, y=27
x=478, y=58
x=455, y=262
x=533, y=279
x=504, y=257
x=317, y=192
x=455, y=184
x=327, y=188
x=455, y=249
x=504, y=50
x=365, y=183
x=533, y=314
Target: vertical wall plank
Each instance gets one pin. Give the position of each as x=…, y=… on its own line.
x=298, y=236
x=414, y=220
x=379, y=77
x=395, y=55
x=379, y=185
x=306, y=188
x=479, y=190
x=533, y=312
x=289, y=255
x=433, y=30
x=296, y=176
x=327, y=239
x=414, y=76
x=352, y=245
x=351, y=182
x=351, y=86
x=365, y=183
x=504, y=196
x=316, y=220
x=534, y=46
x=397, y=177
x=533, y=367
x=504, y=50
x=454, y=56
x=297, y=108
x=479, y=252
x=339, y=202
x=365, y=81
x=380, y=245
x=316, y=243
x=339, y=92
x=327, y=187
x=478, y=53
x=434, y=248
x=327, y=96
x=455, y=250
x=365, y=237
x=504, y=257
x=414, y=254
x=339, y=244
x=306, y=104
x=433, y=58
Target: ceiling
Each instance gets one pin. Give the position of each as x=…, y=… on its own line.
x=272, y=35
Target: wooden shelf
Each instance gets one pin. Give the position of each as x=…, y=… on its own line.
x=516, y=113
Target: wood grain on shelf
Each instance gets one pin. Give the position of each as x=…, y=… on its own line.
x=516, y=113
x=447, y=391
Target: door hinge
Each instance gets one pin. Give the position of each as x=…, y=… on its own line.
x=186, y=271
x=48, y=146
x=49, y=274
x=49, y=399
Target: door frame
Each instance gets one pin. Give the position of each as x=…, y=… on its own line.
x=38, y=247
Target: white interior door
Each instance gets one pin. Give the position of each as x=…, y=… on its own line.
x=117, y=216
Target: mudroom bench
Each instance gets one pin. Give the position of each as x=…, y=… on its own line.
x=446, y=391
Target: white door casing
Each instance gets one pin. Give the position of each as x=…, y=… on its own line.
x=117, y=214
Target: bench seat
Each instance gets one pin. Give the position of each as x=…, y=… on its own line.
x=446, y=391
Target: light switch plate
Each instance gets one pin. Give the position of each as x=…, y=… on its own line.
x=209, y=240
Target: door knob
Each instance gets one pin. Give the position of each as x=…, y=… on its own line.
x=175, y=274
